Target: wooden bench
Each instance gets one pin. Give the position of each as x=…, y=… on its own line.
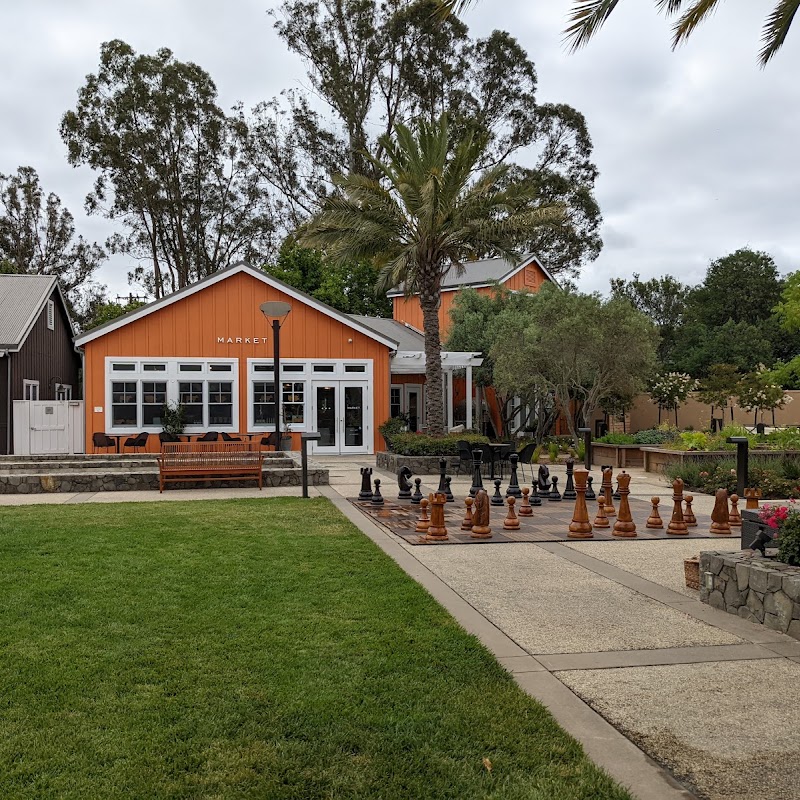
x=210, y=461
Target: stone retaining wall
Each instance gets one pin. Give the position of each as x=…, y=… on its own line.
x=760, y=590
x=419, y=465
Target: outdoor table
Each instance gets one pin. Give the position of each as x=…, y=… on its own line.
x=116, y=440
x=494, y=450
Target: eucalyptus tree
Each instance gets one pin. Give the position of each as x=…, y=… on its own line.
x=422, y=212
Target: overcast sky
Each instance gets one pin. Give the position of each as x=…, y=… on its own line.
x=697, y=149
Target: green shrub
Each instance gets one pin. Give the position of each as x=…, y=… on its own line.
x=789, y=540
x=581, y=450
x=419, y=444
x=786, y=439
x=693, y=440
x=616, y=438
x=391, y=428
x=553, y=450
x=537, y=452
x=654, y=436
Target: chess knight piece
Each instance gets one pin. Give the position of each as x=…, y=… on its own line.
x=580, y=527
x=480, y=516
x=624, y=527
x=366, y=484
x=720, y=518
x=437, y=532
x=403, y=483
x=544, y=481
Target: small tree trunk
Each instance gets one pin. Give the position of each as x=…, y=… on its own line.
x=429, y=300
x=676, y=416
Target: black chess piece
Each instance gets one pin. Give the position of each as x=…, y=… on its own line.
x=417, y=496
x=535, y=499
x=497, y=498
x=569, y=489
x=449, y=492
x=366, y=484
x=544, y=481
x=513, y=481
x=590, y=495
x=477, y=478
x=554, y=496
x=442, y=476
x=616, y=494
x=377, y=497
x=403, y=483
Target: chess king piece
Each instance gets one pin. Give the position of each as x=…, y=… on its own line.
x=590, y=495
x=688, y=515
x=480, y=516
x=437, y=532
x=448, y=492
x=735, y=517
x=624, y=527
x=422, y=521
x=720, y=518
x=403, y=483
x=569, y=488
x=677, y=527
x=477, y=479
x=580, y=527
x=513, y=481
x=417, y=496
x=601, y=520
x=535, y=499
x=654, y=520
x=544, y=481
x=466, y=525
x=497, y=498
x=607, y=493
x=377, y=497
x=752, y=496
x=554, y=495
x=366, y=484
x=525, y=509
x=442, y=476
x=511, y=523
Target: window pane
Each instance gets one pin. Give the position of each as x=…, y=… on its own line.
x=154, y=396
x=355, y=368
x=191, y=368
x=220, y=367
x=263, y=368
x=293, y=402
x=220, y=403
x=155, y=367
x=190, y=396
x=264, y=402
x=292, y=368
x=123, y=404
x=123, y=367
x=324, y=367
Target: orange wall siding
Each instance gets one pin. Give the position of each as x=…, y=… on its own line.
x=230, y=309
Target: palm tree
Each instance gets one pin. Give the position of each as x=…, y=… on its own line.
x=588, y=16
x=425, y=213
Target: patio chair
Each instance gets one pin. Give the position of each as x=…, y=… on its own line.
x=273, y=440
x=504, y=455
x=226, y=437
x=526, y=457
x=165, y=437
x=102, y=440
x=464, y=456
x=211, y=436
x=140, y=440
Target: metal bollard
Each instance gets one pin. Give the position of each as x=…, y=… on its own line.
x=742, y=461
x=587, y=447
x=305, y=438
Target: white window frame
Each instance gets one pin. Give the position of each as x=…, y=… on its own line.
x=29, y=389
x=51, y=315
x=399, y=387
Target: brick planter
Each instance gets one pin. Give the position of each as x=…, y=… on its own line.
x=655, y=459
x=618, y=455
x=419, y=465
x=760, y=590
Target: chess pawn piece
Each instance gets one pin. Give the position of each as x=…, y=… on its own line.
x=535, y=499
x=437, y=532
x=403, y=483
x=624, y=527
x=554, y=495
x=688, y=515
x=677, y=527
x=752, y=496
x=417, y=496
x=735, y=517
x=590, y=495
x=466, y=525
x=525, y=509
x=513, y=481
x=601, y=520
x=497, y=498
x=607, y=492
x=448, y=491
x=366, y=484
x=654, y=520
x=580, y=527
x=477, y=478
x=422, y=521
x=480, y=517
x=569, y=488
x=442, y=488
x=720, y=518
x=377, y=497
x=616, y=494
x=511, y=523
x=544, y=481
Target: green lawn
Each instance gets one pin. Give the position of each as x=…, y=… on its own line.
x=254, y=648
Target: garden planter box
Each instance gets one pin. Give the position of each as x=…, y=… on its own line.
x=657, y=458
x=419, y=465
x=618, y=455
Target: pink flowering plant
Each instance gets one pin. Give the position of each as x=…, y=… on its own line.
x=785, y=520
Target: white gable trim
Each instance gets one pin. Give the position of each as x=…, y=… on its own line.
x=222, y=275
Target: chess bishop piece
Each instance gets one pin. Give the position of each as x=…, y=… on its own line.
x=525, y=509
x=480, y=516
x=423, y=523
x=720, y=518
x=624, y=527
x=467, y=524
x=366, y=484
x=511, y=523
x=654, y=520
x=437, y=532
x=580, y=527
x=677, y=527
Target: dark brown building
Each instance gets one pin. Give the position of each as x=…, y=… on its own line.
x=38, y=360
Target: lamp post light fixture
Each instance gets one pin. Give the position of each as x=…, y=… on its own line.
x=276, y=312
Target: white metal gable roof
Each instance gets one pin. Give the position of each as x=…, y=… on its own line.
x=22, y=298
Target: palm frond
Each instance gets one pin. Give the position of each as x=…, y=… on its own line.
x=444, y=8
x=775, y=29
x=669, y=7
x=691, y=18
x=586, y=18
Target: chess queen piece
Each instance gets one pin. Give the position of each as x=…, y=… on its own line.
x=511, y=523
x=403, y=483
x=437, y=532
x=688, y=515
x=416, y=498
x=720, y=517
x=608, y=475
x=477, y=479
x=468, y=522
x=677, y=526
x=513, y=481
x=366, y=484
x=497, y=498
x=535, y=499
x=580, y=527
x=624, y=527
x=525, y=509
x=544, y=481
x=423, y=523
x=554, y=495
x=590, y=495
x=448, y=491
x=569, y=488
x=601, y=520
x=654, y=520
x=480, y=516
x=735, y=517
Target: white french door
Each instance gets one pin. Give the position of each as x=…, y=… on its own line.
x=342, y=413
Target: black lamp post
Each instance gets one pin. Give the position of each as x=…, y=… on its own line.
x=276, y=312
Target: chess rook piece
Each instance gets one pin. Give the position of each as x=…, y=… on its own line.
x=535, y=499
x=624, y=527
x=480, y=516
x=366, y=484
x=569, y=488
x=477, y=479
x=422, y=521
x=654, y=520
x=601, y=520
x=377, y=497
x=554, y=495
x=466, y=525
x=525, y=509
x=677, y=527
x=497, y=498
x=734, y=517
x=513, y=481
x=442, y=477
x=752, y=496
x=688, y=515
x=580, y=527
x=607, y=493
x=437, y=532
x=544, y=481
x=590, y=495
x=511, y=523
x=448, y=491
x=403, y=483
x=720, y=518
x=417, y=496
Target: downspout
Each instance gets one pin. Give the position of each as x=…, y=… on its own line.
x=7, y=355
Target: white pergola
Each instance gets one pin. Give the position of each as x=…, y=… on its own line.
x=412, y=362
